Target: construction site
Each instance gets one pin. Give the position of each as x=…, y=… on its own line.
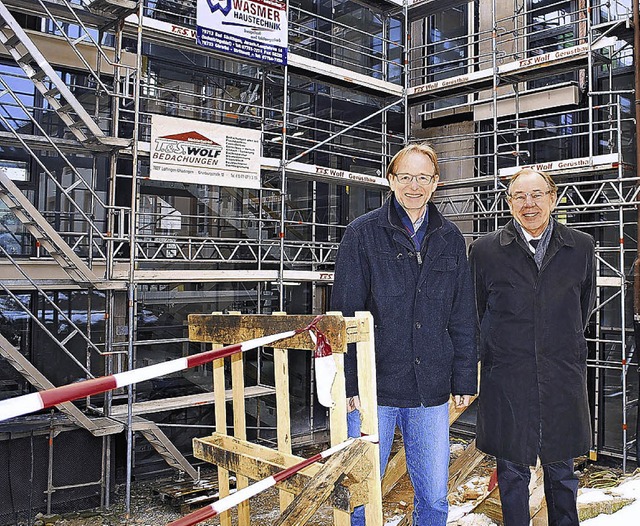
x=117, y=255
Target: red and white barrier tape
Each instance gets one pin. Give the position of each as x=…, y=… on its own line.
x=239, y=496
x=24, y=405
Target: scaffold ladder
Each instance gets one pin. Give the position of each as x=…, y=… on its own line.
x=165, y=448
x=121, y=72
x=45, y=234
x=100, y=426
x=51, y=86
x=115, y=8
x=96, y=426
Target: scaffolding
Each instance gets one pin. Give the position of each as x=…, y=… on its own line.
x=104, y=263
x=541, y=84
x=100, y=264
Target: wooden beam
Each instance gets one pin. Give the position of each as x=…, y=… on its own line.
x=221, y=427
x=338, y=424
x=239, y=425
x=537, y=501
x=357, y=330
x=320, y=487
x=368, y=390
x=258, y=462
x=461, y=467
x=283, y=417
x=230, y=329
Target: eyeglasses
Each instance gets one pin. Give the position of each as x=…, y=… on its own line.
x=421, y=179
x=520, y=198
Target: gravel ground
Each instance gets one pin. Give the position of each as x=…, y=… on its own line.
x=148, y=508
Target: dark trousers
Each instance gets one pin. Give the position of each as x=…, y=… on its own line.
x=560, y=491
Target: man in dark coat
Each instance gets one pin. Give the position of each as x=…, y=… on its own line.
x=535, y=289
x=407, y=265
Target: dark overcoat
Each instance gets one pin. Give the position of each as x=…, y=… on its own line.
x=422, y=305
x=533, y=392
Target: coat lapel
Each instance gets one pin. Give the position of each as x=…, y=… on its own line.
x=401, y=237
x=389, y=219
x=560, y=237
x=434, y=240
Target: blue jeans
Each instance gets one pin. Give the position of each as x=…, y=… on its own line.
x=425, y=432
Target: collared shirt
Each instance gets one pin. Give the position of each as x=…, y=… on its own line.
x=528, y=237
x=540, y=250
x=417, y=229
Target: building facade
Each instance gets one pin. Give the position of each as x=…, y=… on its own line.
x=101, y=261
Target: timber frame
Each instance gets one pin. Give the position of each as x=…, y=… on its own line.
x=352, y=477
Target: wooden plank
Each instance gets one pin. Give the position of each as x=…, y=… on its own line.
x=461, y=467
x=537, y=501
x=367, y=388
x=221, y=427
x=320, y=487
x=490, y=506
x=239, y=425
x=259, y=462
x=283, y=416
x=180, y=402
x=230, y=329
x=357, y=329
x=395, y=470
x=338, y=422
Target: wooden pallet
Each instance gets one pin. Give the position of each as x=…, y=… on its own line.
x=188, y=495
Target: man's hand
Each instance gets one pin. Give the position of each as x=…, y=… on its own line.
x=462, y=400
x=353, y=403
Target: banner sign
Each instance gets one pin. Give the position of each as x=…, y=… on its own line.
x=255, y=29
x=204, y=153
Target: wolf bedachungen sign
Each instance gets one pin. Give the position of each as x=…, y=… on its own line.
x=255, y=29
x=204, y=153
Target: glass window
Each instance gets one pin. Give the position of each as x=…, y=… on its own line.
x=552, y=26
x=447, y=49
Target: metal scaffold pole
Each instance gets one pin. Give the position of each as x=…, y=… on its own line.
x=636, y=266
x=131, y=288
x=283, y=187
x=494, y=97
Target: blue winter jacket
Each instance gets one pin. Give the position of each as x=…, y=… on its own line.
x=422, y=304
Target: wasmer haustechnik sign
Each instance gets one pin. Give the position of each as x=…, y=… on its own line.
x=255, y=29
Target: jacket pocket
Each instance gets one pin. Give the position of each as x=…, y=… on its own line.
x=442, y=277
x=445, y=264
x=388, y=274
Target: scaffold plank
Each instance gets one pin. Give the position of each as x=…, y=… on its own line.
x=181, y=402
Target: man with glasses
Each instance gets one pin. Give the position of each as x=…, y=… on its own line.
x=407, y=265
x=535, y=289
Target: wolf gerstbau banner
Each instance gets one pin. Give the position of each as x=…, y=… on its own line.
x=204, y=153
x=255, y=29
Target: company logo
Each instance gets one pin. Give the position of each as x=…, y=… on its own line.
x=224, y=6
x=192, y=144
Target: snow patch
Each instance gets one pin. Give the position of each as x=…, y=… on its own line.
x=588, y=495
x=627, y=516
